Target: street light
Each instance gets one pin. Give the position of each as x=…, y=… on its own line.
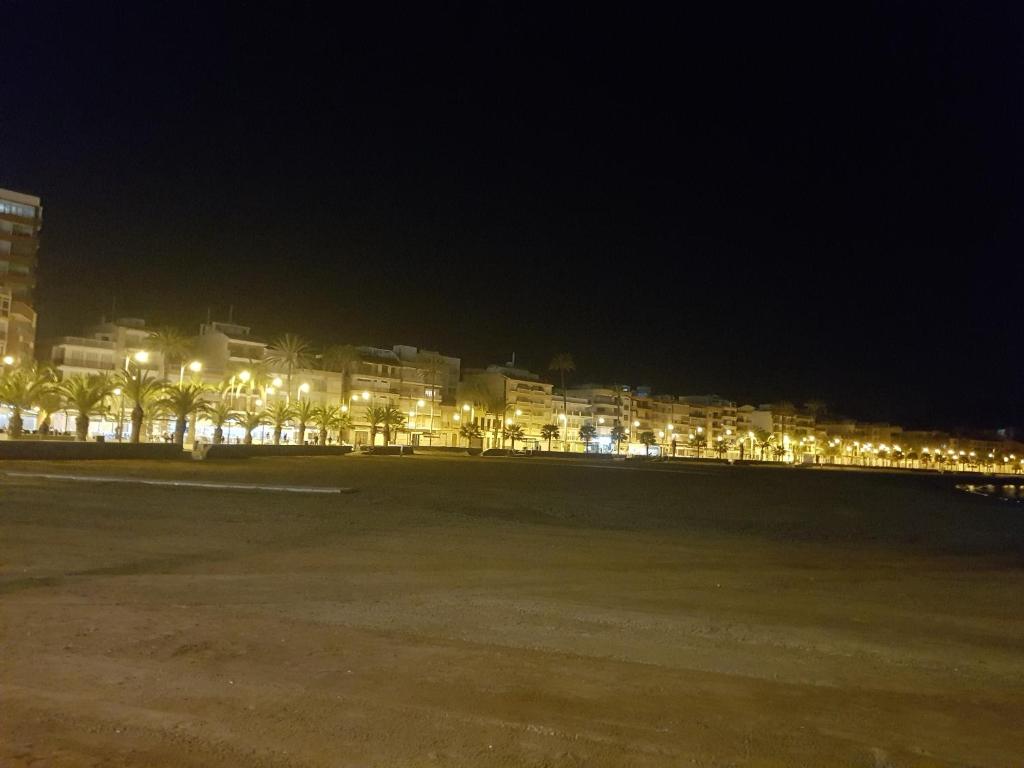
x=277, y=382
x=8, y=360
x=244, y=376
x=142, y=356
x=304, y=387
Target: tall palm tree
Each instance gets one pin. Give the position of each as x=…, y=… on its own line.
x=618, y=435
x=219, y=414
x=432, y=370
x=699, y=442
x=563, y=363
x=170, y=344
x=87, y=397
x=587, y=433
x=182, y=401
x=392, y=420
x=343, y=359
x=303, y=411
x=250, y=420
x=326, y=418
x=23, y=389
x=374, y=417
x=470, y=432
x=279, y=414
x=549, y=432
x=292, y=352
x=143, y=390
x=514, y=432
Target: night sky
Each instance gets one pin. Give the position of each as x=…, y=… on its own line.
x=762, y=202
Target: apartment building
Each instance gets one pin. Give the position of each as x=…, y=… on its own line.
x=21, y=219
x=502, y=393
x=102, y=348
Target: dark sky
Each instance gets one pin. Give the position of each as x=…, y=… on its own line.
x=768, y=203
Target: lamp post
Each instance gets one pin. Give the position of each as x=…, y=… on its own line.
x=120, y=421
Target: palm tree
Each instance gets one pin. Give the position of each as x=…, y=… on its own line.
x=549, y=432
x=470, y=432
x=514, y=432
x=326, y=418
x=87, y=397
x=722, y=446
x=618, y=435
x=279, y=414
x=392, y=420
x=341, y=358
x=648, y=439
x=171, y=344
x=779, y=452
x=292, y=352
x=250, y=420
x=219, y=414
x=23, y=389
x=763, y=441
x=143, y=390
x=432, y=368
x=182, y=401
x=563, y=363
x=587, y=433
x=47, y=404
x=374, y=417
x=699, y=442
x=303, y=411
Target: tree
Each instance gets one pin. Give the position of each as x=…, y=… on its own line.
x=182, y=401
x=143, y=390
x=470, y=432
x=648, y=439
x=514, y=432
x=433, y=368
x=170, y=344
x=392, y=420
x=779, y=452
x=303, y=410
x=549, y=432
x=618, y=435
x=292, y=352
x=250, y=420
x=563, y=363
x=374, y=417
x=341, y=358
x=763, y=441
x=23, y=389
x=87, y=397
x=279, y=414
x=698, y=441
x=587, y=433
x=219, y=414
x=47, y=404
x=722, y=446
x=326, y=418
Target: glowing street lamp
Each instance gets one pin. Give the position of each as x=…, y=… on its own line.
x=277, y=382
x=304, y=387
x=244, y=377
x=8, y=360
